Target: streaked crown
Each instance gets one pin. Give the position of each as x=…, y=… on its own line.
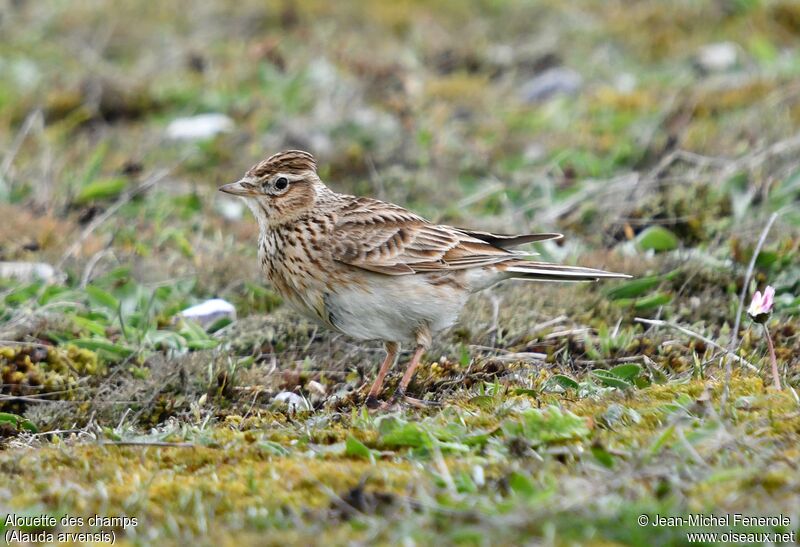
x=288, y=162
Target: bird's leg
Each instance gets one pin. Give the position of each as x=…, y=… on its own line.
x=391, y=355
x=400, y=393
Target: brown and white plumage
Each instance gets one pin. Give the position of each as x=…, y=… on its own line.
x=374, y=270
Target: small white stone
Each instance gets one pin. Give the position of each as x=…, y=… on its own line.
x=478, y=476
x=500, y=55
x=316, y=387
x=210, y=311
x=534, y=152
x=550, y=83
x=202, y=126
x=718, y=57
x=625, y=82
x=26, y=73
x=293, y=401
x=30, y=271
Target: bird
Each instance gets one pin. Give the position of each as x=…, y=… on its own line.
x=373, y=270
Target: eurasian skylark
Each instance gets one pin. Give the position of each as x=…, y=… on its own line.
x=373, y=270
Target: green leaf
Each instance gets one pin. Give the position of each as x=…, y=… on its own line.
x=100, y=189
x=521, y=484
x=191, y=330
x=657, y=238
x=405, y=435
x=103, y=298
x=273, y=448
x=652, y=301
x=52, y=292
x=627, y=371
x=631, y=289
x=18, y=422
x=603, y=456
x=662, y=440
x=482, y=401
x=609, y=380
x=766, y=259
x=165, y=339
x=93, y=327
x=220, y=323
x=114, y=276
x=95, y=163
x=23, y=294
x=357, y=449
x=111, y=434
x=564, y=381
x=202, y=344
x=105, y=346
x=183, y=244
x=464, y=358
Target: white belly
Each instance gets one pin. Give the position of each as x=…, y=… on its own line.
x=394, y=308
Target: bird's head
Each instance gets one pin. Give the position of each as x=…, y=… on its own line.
x=280, y=188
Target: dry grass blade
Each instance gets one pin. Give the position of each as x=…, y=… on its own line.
x=710, y=342
x=158, y=444
x=748, y=276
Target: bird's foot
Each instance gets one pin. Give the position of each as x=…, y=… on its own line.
x=374, y=404
x=398, y=401
x=419, y=403
x=400, y=398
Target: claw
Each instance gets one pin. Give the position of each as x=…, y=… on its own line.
x=400, y=398
x=419, y=403
x=375, y=405
x=398, y=401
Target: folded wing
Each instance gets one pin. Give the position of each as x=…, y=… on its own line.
x=385, y=238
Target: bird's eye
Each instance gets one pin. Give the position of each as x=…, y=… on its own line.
x=281, y=183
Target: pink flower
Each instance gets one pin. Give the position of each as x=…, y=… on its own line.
x=761, y=306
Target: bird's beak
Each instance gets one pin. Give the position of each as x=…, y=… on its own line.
x=236, y=189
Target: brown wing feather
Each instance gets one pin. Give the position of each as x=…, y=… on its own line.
x=388, y=239
x=385, y=238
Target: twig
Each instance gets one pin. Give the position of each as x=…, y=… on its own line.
x=521, y=356
x=34, y=117
x=29, y=399
x=444, y=471
x=591, y=362
x=56, y=432
x=568, y=332
x=776, y=378
x=661, y=323
x=689, y=448
x=24, y=343
x=747, y=277
x=160, y=444
x=90, y=266
x=549, y=323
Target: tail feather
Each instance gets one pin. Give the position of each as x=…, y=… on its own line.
x=545, y=271
x=504, y=241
